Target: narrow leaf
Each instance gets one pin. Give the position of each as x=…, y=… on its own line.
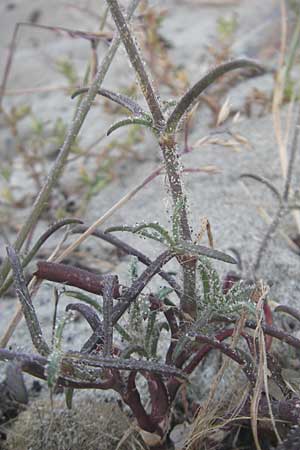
x=92, y=302
x=87, y=312
x=197, y=250
x=55, y=357
x=131, y=121
x=84, y=298
x=192, y=95
x=69, y=397
x=138, y=229
x=120, y=99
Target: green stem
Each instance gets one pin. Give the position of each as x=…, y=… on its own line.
x=168, y=146
x=136, y=61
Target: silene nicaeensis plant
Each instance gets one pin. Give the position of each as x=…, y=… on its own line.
x=161, y=336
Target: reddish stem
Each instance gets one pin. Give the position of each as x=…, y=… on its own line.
x=160, y=404
x=173, y=384
x=72, y=276
x=133, y=400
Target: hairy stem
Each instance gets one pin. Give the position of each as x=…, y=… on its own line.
x=168, y=146
x=136, y=61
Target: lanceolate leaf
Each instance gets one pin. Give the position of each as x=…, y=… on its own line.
x=55, y=357
x=140, y=227
x=88, y=313
x=212, y=289
x=84, y=298
x=155, y=338
x=98, y=307
x=69, y=397
x=122, y=100
x=191, y=96
x=135, y=120
x=197, y=250
x=180, y=347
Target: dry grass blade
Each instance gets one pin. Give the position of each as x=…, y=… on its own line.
x=205, y=423
x=81, y=112
x=266, y=217
x=262, y=370
x=278, y=97
x=56, y=171
x=71, y=33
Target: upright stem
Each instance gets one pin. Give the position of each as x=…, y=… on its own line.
x=136, y=61
x=41, y=201
x=168, y=146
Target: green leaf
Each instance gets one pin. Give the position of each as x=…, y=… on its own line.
x=120, y=99
x=212, y=289
x=69, y=397
x=55, y=357
x=183, y=341
x=128, y=351
x=139, y=228
x=158, y=327
x=199, y=250
x=145, y=121
x=186, y=102
x=84, y=298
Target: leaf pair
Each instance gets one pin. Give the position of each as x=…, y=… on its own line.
x=142, y=117
x=179, y=247
x=139, y=117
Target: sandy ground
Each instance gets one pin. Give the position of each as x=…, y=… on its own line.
x=190, y=27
